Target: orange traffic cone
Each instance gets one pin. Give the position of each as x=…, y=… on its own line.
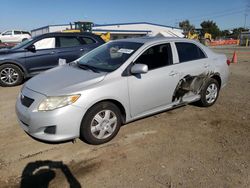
x=234, y=59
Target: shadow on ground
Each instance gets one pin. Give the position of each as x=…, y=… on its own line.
x=41, y=173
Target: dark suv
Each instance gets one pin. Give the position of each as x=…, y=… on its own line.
x=43, y=52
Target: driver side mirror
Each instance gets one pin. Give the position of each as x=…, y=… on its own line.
x=139, y=69
x=31, y=48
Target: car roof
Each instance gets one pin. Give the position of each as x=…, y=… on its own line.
x=148, y=40
x=68, y=34
x=84, y=34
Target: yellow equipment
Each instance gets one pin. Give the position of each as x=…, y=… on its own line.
x=197, y=35
x=104, y=36
x=80, y=26
x=86, y=26
x=208, y=36
x=193, y=36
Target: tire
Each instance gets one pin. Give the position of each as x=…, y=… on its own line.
x=101, y=123
x=209, y=93
x=10, y=75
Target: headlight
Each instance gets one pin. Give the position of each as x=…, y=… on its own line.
x=51, y=103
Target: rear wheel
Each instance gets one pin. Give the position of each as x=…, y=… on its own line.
x=101, y=123
x=10, y=75
x=209, y=93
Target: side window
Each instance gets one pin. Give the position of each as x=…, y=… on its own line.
x=7, y=33
x=87, y=40
x=17, y=32
x=46, y=43
x=157, y=56
x=188, y=51
x=25, y=32
x=68, y=41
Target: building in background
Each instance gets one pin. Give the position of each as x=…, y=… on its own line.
x=120, y=30
x=49, y=29
x=245, y=38
x=125, y=30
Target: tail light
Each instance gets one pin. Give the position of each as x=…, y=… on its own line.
x=228, y=62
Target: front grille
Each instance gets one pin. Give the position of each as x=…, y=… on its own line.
x=26, y=101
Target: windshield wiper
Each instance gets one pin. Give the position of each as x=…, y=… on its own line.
x=87, y=67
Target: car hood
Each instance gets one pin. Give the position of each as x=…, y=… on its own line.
x=63, y=80
x=4, y=51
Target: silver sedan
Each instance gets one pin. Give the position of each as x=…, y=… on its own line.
x=117, y=83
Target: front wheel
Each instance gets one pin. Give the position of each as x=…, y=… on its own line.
x=101, y=123
x=209, y=93
x=10, y=75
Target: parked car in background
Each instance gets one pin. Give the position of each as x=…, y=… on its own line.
x=14, y=36
x=117, y=83
x=42, y=53
x=7, y=45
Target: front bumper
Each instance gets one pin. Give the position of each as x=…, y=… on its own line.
x=65, y=121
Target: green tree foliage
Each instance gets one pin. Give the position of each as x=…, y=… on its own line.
x=210, y=27
x=225, y=33
x=186, y=26
x=237, y=31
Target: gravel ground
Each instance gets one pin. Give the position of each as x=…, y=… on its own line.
x=185, y=147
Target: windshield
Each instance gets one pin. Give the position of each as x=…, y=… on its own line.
x=22, y=43
x=109, y=56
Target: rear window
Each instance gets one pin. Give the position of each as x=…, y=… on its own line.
x=26, y=32
x=188, y=52
x=68, y=41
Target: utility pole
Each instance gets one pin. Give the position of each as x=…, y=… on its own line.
x=246, y=13
x=245, y=22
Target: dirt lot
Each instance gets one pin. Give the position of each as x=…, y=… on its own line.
x=185, y=147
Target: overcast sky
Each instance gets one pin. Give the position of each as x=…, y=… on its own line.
x=31, y=14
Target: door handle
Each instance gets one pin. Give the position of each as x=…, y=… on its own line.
x=173, y=73
x=82, y=49
x=53, y=52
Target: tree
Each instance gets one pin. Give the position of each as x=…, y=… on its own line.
x=186, y=26
x=225, y=33
x=237, y=31
x=210, y=27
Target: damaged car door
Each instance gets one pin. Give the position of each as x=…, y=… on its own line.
x=194, y=69
x=153, y=90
